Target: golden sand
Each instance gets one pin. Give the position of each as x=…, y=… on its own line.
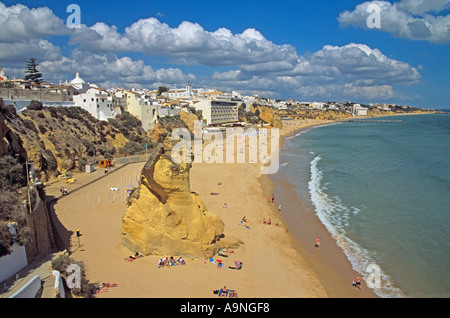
x=275, y=263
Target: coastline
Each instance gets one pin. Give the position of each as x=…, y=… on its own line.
x=276, y=264
x=331, y=265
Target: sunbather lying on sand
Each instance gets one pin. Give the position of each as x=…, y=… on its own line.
x=134, y=257
x=238, y=265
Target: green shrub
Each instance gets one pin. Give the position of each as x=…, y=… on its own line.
x=12, y=174
x=42, y=129
x=11, y=210
x=61, y=263
x=35, y=105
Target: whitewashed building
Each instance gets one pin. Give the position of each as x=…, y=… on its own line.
x=184, y=93
x=358, y=110
x=97, y=102
x=142, y=107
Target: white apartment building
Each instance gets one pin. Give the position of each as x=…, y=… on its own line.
x=216, y=112
x=97, y=102
x=358, y=110
x=184, y=93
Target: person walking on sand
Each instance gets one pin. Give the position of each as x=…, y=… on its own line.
x=317, y=243
x=357, y=283
x=273, y=198
x=279, y=209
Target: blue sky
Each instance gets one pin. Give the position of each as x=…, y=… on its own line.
x=317, y=50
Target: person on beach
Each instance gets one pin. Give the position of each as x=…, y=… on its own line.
x=357, y=283
x=273, y=198
x=223, y=292
x=269, y=222
x=279, y=209
x=317, y=243
x=225, y=205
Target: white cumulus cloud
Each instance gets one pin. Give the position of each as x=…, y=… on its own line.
x=18, y=22
x=189, y=43
x=409, y=19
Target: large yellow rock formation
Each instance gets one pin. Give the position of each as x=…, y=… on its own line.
x=268, y=114
x=165, y=218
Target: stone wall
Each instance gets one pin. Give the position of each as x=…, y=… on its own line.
x=41, y=234
x=28, y=94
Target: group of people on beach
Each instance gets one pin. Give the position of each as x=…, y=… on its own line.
x=168, y=262
x=269, y=222
x=63, y=190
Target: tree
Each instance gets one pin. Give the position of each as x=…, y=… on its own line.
x=162, y=89
x=32, y=71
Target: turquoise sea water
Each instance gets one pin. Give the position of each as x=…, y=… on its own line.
x=383, y=191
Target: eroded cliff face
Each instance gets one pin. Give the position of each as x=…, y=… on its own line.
x=268, y=114
x=60, y=139
x=165, y=218
x=10, y=144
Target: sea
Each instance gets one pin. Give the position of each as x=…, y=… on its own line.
x=383, y=191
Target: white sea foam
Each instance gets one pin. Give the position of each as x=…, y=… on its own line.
x=297, y=134
x=335, y=215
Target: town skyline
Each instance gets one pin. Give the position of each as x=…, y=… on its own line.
x=338, y=59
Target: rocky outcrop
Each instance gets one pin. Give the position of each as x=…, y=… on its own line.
x=268, y=114
x=59, y=139
x=165, y=218
x=189, y=120
x=10, y=144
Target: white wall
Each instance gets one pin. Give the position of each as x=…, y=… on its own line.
x=30, y=290
x=12, y=263
x=20, y=105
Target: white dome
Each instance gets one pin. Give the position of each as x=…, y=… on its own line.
x=77, y=79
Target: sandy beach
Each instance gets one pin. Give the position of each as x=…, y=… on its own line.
x=276, y=263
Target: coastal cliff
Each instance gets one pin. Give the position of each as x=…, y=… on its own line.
x=165, y=218
x=267, y=114
x=60, y=139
